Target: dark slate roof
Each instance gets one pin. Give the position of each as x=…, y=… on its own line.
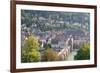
x=54, y=41
x=74, y=32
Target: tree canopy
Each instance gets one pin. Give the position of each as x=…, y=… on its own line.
x=30, y=50
x=51, y=55
x=83, y=53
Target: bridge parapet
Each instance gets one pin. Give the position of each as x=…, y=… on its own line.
x=68, y=48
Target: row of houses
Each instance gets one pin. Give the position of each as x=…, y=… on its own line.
x=57, y=39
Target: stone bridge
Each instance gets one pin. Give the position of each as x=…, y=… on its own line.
x=63, y=54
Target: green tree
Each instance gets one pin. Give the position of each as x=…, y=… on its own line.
x=47, y=46
x=30, y=50
x=83, y=53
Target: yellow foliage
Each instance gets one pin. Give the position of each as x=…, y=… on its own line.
x=32, y=42
x=30, y=50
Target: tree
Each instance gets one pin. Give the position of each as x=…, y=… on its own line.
x=83, y=53
x=50, y=55
x=30, y=50
x=46, y=46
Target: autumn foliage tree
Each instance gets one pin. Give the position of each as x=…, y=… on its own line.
x=51, y=55
x=30, y=50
